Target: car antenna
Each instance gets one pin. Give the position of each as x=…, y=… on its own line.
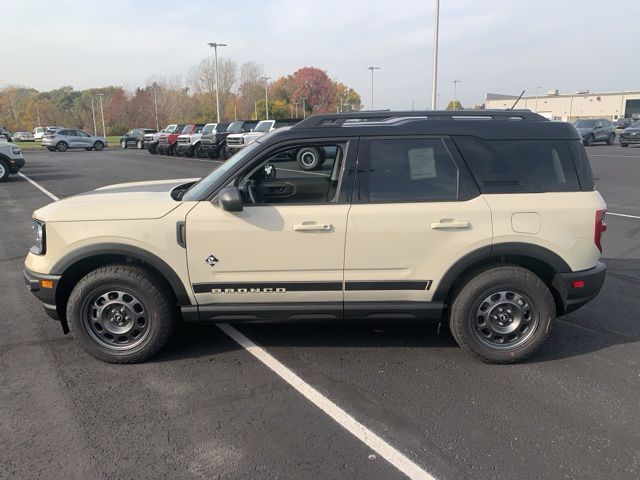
x=517, y=100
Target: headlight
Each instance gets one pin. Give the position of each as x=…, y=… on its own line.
x=38, y=236
x=16, y=150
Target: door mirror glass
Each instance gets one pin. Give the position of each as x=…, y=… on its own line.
x=229, y=199
x=269, y=171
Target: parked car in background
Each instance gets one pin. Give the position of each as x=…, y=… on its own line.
x=150, y=140
x=596, y=130
x=11, y=160
x=5, y=134
x=38, y=133
x=189, y=143
x=168, y=142
x=630, y=135
x=238, y=141
x=62, y=140
x=215, y=143
x=135, y=137
x=22, y=137
x=623, y=123
x=53, y=128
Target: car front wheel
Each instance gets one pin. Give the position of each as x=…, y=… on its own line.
x=123, y=143
x=121, y=314
x=98, y=145
x=611, y=139
x=139, y=145
x=589, y=140
x=502, y=314
x=4, y=171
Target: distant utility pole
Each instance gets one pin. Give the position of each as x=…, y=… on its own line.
x=372, y=69
x=104, y=130
x=434, y=81
x=455, y=91
x=296, y=109
x=304, y=108
x=93, y=114
x=38, y=114
x=537, y=90
x=215, y=50
x=266, y=96
x=155, y=104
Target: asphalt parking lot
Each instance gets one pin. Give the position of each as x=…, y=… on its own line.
x=207, y=408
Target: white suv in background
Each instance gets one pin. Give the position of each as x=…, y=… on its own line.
x=237, y=141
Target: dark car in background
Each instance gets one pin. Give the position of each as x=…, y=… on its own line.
x=135, y=137
x=214, y=144
x=596, y=130
x=4, y=134
x=630, y=135
x=623, y=123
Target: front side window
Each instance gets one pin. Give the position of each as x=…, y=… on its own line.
x=411, y=170
x=298, y=175
x=80, y=133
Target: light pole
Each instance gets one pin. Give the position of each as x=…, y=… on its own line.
x=215, y=50
x=93, y=114
x=434, y=81
x=537, y=90
x=104, y=130
x=304, y=108
x=155, y=104
x=455, y=91
x=38, y=114
x=372, y=69
x=266, y=96
x=296, y=109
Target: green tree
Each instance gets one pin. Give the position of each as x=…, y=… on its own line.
x=454, y=105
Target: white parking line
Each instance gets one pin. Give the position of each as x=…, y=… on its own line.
x=623, y=215
x=362, y=433
x=39, y=187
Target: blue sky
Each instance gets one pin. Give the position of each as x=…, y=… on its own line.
x=500, y=46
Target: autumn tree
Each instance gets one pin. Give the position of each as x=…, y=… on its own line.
x=454, y=105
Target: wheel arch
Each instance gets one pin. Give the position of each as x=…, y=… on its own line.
x=75, y=265
x=540, y=260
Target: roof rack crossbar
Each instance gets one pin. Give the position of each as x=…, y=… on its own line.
x=338, y=119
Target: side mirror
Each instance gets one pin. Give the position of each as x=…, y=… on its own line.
x=229, y=199
x=269, y=171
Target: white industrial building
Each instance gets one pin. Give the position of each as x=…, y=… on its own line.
x=570, y=107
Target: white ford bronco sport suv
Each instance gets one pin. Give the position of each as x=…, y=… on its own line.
x=11, y=159
x=488, y=221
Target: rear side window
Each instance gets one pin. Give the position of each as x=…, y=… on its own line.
x=411, y=170
x=520, y=166
x=583, y=167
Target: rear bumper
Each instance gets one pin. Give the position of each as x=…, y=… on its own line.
x=44, y=288
x=579, y=288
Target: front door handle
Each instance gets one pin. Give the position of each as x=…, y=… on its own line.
x=313, y=227
x=450, y=224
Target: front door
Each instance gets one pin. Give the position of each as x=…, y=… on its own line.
x=284, y=252
x=414, y=215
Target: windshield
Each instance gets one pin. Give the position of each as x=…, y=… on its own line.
x=208, y=128
x=263, y=127
x=222, y=127
x=187, y=129
x=585, y=123
x=235, y=127
x=199, y=189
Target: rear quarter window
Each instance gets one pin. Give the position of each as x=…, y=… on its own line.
x=520, y=166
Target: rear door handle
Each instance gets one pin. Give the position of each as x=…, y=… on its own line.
x=313, y=227
x=450, y=224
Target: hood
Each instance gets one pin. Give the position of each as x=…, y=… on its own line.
x=631, y=130
x=124, y=201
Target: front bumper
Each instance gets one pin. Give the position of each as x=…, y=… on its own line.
x=634, y=139
x=15, y=164
x=576, y=289
x=184, y=147
x=44, y=288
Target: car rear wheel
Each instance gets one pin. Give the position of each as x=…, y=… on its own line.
x=62, y=146
x=121, y=314
x=98, y=145
x=4, y=171
x=123, y=143
x=611, y=139
x=139, y=144
x=502, y=315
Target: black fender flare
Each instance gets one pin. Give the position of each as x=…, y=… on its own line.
x=485, y=254
x=138, y=253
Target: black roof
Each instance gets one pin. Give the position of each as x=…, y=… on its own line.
x=486, y=124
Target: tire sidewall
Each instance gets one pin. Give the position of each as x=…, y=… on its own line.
x=463, y=313
x=61, y=147
x=5, y=173
x=317, y=157
x=98, y=146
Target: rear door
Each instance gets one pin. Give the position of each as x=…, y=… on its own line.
x=415, y=212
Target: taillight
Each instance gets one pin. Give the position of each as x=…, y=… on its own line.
x=600, y=228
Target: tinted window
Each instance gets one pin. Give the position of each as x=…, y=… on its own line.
x=411, y=170
x=581, y=161
x=65, y=132
x=513, y=166
x=80, y=133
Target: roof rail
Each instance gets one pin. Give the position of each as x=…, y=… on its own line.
x=363, y=118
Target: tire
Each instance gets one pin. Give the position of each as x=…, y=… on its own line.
x=4, y=171
x=624, y=145
x=153, y=149
x=51, y=149
x=611, y=139
x=310, y=158
x=139, y=145
x=123, y=144
x=62, y=146
x=98, y=146
x=223, y=153
x=171, y=150
x=492, y=298
x=121, y=314
x=198, y=151
x=589, y=140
